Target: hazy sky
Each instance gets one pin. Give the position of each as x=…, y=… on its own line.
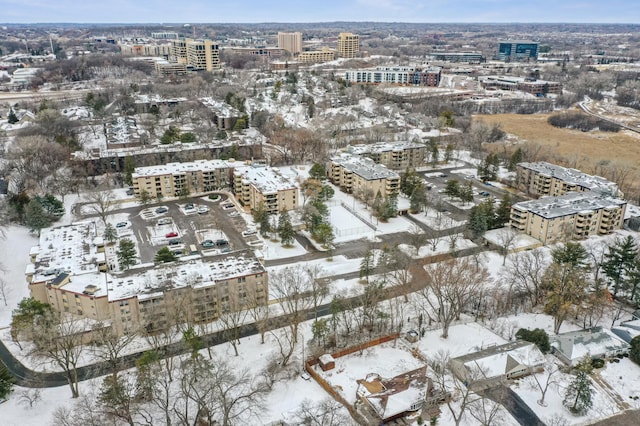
x=193, y=11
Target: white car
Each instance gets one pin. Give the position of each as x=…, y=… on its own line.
x=203, y=209
x=249, y=232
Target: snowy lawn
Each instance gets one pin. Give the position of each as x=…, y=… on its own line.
x=275, y=250
x=527, y=389
x=375, y=359
x=624, y=377
x=443, y=246
x=463, y=339
x=436, y=220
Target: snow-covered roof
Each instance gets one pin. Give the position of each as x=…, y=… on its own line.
x=156, y=279
x=220, y=108
x=266, y=179
x=364, y=167
x=504, y=362
x=390, y=397
x=570, y=203
x=383, y=147
x=70, y=249
x=180, y=168
x=595, y=342
x=572, y=176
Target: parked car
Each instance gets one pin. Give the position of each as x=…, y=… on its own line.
x=161, y=210
x=165, y=221
x=208, y=244
x=228, y=206
x=130, y=191
x=484, y=193
x=222, y=243
x=174, y=242
x=249, y=232
x=234, y=214
x=122, y=224
x=203, y=209
x=171, y=234
x=189, y=206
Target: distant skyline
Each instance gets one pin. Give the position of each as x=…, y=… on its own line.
x=255, y=11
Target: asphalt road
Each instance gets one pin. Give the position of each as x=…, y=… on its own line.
x=513, y=404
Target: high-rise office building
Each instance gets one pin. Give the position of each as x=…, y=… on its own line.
x=203, y=55
x=291, y=42
x=517, y=50
x=348, y=45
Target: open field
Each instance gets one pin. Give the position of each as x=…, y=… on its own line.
x=574, y=148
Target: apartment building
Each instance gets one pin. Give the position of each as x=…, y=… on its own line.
x=255, y=185
x=317, y=56
x=465, y=57
x=223, y=115
x=175, y=179
x=542, y=178
x=148, y=299
x=291, y=42
x=394, y=155
x=166, y=68
x=348, y=45
x=575, y=215
x=362, y=177
x=523, y=84
x=197, y=55
x=139, y=49
x=396, y=75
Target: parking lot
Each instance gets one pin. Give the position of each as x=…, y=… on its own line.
x=187, y=226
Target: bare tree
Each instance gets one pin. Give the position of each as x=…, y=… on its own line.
x=506, y=238
x=417, y=238
x=293, y=286
x=5, y=290
x=101, y=203
x=327, y=412
x=61, y=343
x=551, y=371
x=450, y=286
x=232, y=318
x=109, y=346
x=524, y=274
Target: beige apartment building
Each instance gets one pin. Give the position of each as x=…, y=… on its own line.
x=348, y=45
x=542, y=178
x=362, y=177
x=317, y=56
x=394, y=155
x=575, y=215
x=176, y=179
x=253, y=185
x=198, y=55
x=291, y=42
x=68, y=271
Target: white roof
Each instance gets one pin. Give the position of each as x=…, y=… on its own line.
x=265, y=179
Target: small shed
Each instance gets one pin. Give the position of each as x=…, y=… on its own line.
x=327, y=362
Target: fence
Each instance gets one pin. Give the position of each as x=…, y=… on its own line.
x=334, y=393
x=358, y=215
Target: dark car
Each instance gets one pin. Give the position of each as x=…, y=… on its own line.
x=222, y=243
x=161, y=210
x=174, y=242
x=208, y=244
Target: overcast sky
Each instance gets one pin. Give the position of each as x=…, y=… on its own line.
x=193, y=11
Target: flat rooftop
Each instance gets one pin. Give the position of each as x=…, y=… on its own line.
x=265, y=179
x=383, y=147
x=364, y=167
x=190, y=167
x=569, y=204
x=572, y=176
x=71, y=249
x=156, y=279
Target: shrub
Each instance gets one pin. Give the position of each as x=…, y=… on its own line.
x=597, y=363
x=537, y=336
x=634, y=352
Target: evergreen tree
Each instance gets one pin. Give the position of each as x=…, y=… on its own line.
x=261, y=217
x=36, y=217
x=515, y=158
x=453, y=188
x=285, y=229
x=12, y=118
x=634, y=352
x=110, y=234
x=448, y=153
x=503, y=212
x=477, y=223
x=620, y=262
x=6, y=382
x=129, y=168
x=465, y=193
x=579, y=393
x=126, y=253
x=318, y=172
x=164, y=255
x=418, y=198
x=366, y=265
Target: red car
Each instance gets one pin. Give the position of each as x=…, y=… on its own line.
x=171, y=235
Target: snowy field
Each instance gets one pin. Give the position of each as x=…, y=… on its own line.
x=463, y=339
x=436, y=220
x=443, y=245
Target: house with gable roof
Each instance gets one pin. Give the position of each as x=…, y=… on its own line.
x=596, y=342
